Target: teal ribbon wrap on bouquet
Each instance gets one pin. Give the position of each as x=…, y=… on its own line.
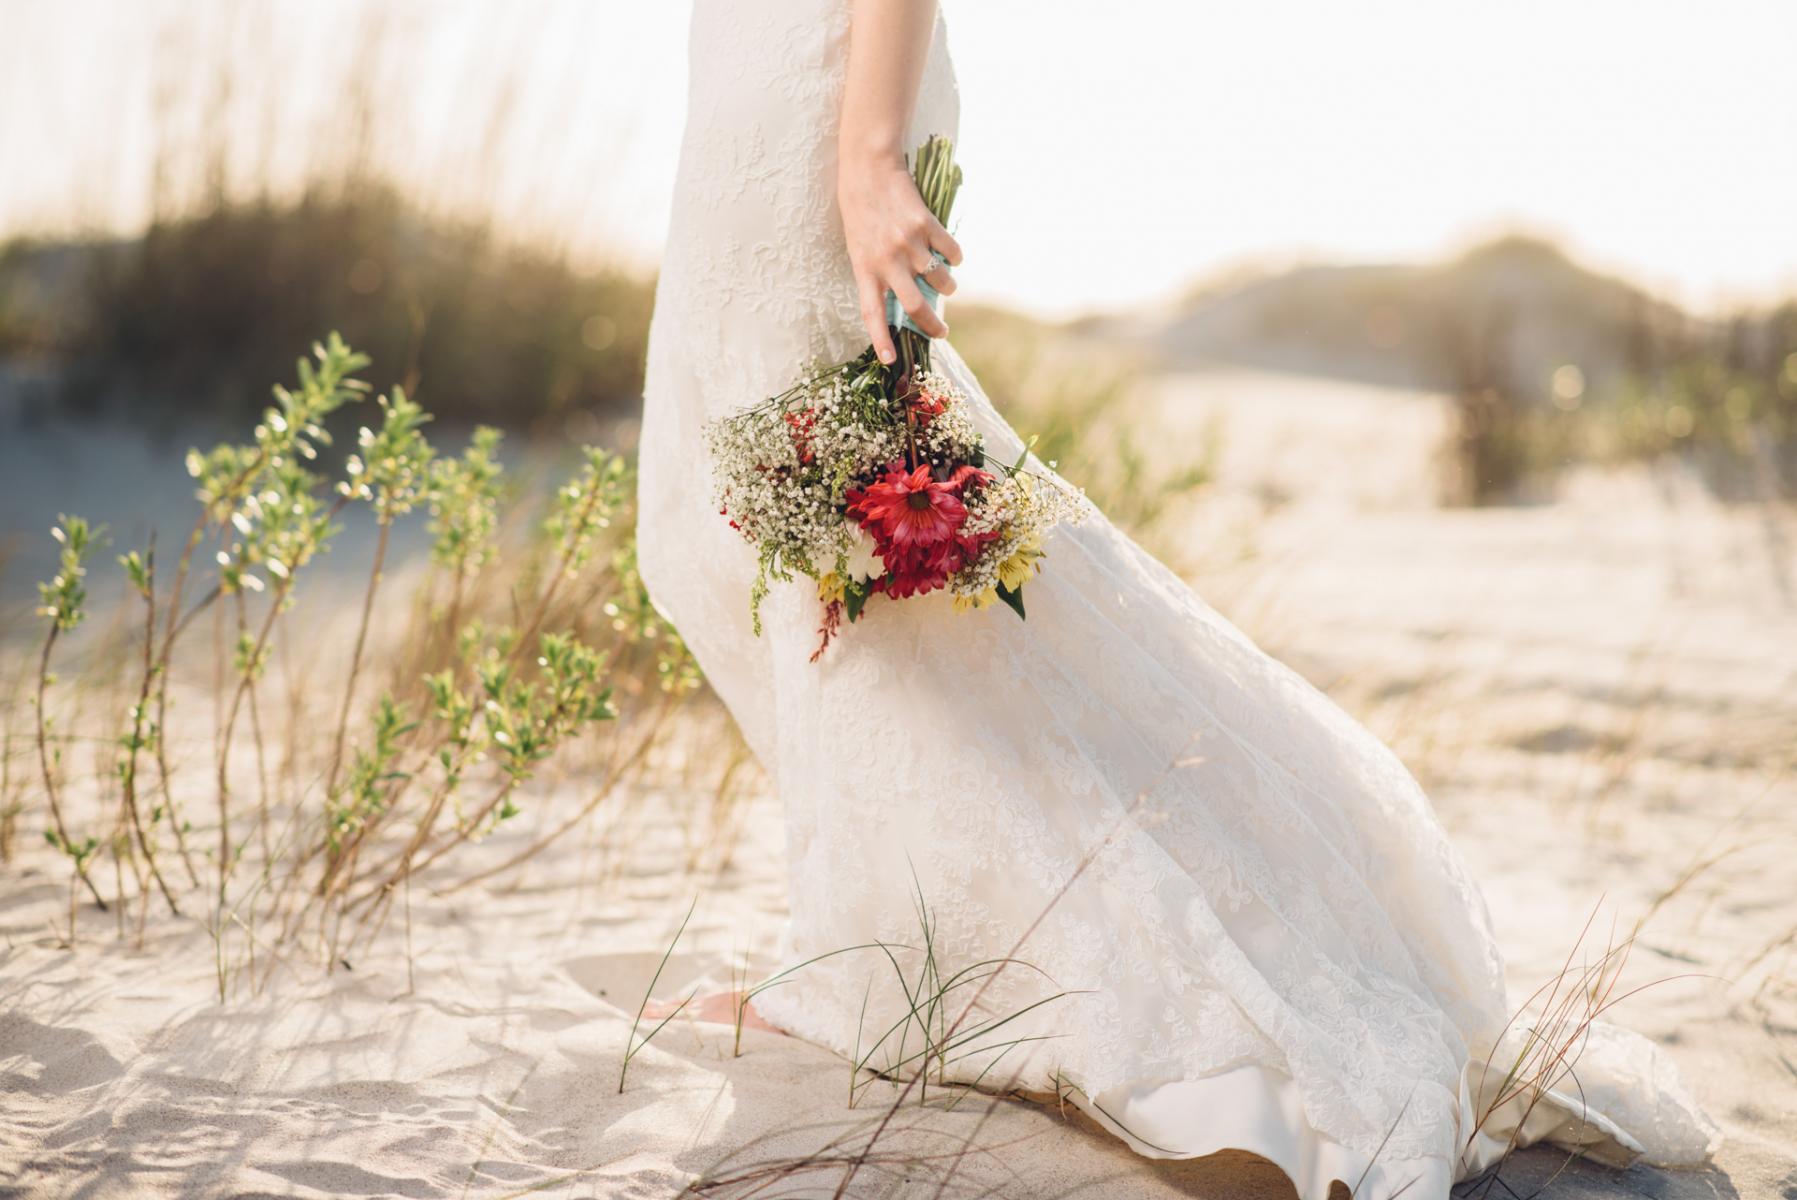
x=898, y=318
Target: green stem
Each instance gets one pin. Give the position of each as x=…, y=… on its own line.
x=43, y=757
x=355, y=659
x=137, y=725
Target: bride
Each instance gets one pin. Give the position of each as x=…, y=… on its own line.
x=1229, y=917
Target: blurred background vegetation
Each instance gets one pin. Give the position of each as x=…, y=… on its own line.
x=193, y=316
x=170, y=330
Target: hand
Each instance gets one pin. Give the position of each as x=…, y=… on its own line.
x=890, y=237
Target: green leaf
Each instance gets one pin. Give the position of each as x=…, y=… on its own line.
x=1024, y=457
x=854, y=597
x=1013, y=597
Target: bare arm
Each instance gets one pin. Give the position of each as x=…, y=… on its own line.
x=890, y=233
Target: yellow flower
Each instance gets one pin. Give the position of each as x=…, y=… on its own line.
x=965, y=603
x=1021, y=565
x=829, y=587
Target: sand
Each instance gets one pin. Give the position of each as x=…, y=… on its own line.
x=1595, y=689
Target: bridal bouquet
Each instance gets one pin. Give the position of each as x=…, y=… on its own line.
x=873, y=481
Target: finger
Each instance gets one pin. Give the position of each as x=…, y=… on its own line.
x=944, y=243
x=922, y=315
x=873, y=315
x=929, y=266
x=939, y=278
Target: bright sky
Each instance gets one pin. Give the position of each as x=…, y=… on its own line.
x=1114, y=152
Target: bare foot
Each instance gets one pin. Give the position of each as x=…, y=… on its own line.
x=718, y=1009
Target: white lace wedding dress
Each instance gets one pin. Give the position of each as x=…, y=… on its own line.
x=1275, y=949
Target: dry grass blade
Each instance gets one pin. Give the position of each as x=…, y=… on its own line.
x=632, y=1046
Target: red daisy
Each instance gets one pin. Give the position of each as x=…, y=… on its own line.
x=965, y=476
x=908, y=509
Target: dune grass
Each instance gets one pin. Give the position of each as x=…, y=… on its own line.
x=187, y=319
x=1726, y=404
